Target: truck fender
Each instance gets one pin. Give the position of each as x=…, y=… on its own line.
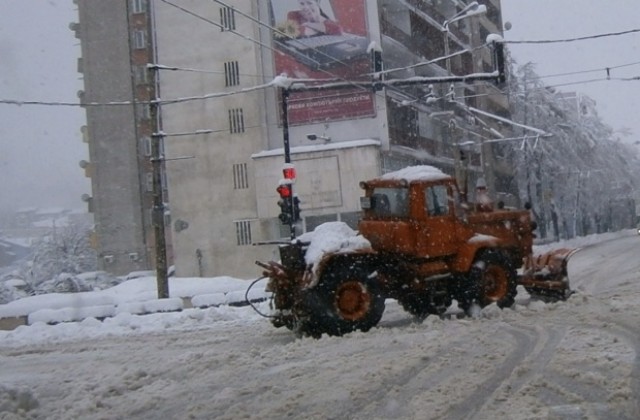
x=314, y=275
x=468, y=251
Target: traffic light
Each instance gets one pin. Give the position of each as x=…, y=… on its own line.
x=296, y=209
x=285, y=211
x=285, y=203
x=289, y=205
x=289, y=172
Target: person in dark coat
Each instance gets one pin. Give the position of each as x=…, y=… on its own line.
x=311, y=20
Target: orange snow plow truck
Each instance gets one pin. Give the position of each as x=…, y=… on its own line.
x=418, y=242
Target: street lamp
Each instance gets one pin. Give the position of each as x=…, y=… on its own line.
x=314, y=137
x=472, y=9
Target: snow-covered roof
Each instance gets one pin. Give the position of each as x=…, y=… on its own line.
x=416, y=173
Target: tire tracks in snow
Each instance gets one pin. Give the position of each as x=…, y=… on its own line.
x=472, y=405
x=429, y=387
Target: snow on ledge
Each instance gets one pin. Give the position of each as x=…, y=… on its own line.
x=318, y=148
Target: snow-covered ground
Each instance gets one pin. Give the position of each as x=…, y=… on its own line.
x=570, y=360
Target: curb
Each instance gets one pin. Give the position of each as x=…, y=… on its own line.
x=11, y=323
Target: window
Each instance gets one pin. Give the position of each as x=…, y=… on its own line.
x=144, y=112
x=140, y=75
x=139, y=40
x=138, y=6
x=163, y=179
x=227, y=19
x=146, y=145
x=393, y=202
x=437, y=200
x=149, y=181
x=231, y=73
x=240, y=179
x=243, y=232
x=236, y=121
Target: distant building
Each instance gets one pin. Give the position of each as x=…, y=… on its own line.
x=32, y=223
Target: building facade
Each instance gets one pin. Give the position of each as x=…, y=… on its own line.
x=116, y=45
x=223, y=54
x=222, y=122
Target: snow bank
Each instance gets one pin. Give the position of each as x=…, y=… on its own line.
x=331, y=237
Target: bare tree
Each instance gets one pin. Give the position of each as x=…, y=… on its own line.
x=579, y=179
x=64, y=250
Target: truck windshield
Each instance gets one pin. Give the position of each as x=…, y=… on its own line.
x=392, y=202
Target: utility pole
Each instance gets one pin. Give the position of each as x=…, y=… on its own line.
x=157, y=160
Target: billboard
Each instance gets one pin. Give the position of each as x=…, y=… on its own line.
x=323, y=39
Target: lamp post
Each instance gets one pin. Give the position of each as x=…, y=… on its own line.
x=472, y=9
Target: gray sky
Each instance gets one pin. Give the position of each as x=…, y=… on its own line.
x=40, y=146
x=618, y=102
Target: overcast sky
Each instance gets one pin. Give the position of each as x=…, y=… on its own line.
x=40, y=146
x=618, y=102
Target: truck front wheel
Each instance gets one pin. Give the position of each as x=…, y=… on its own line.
x=493, y=279
x=346, y=299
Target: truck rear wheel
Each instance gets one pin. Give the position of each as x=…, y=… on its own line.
x=493, y=279
x=346, y=299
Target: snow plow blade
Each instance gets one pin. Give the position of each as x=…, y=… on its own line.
x=545, y=276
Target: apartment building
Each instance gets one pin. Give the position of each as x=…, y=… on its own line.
x=222, y=114
x=116, y=45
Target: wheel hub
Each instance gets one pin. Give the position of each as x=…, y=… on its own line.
x=352, y=300
x=496, y=283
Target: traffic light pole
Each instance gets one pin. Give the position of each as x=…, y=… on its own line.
x=287, y=152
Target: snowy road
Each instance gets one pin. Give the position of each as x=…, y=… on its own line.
x=573, y=360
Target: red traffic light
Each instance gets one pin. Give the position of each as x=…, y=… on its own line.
x=289, y=171
x=284, y=190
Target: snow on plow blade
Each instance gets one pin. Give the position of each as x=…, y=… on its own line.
x=545, y=276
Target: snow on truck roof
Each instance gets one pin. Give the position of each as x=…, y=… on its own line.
x=416, y=173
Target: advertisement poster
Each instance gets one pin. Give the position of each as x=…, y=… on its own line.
x=323, y=39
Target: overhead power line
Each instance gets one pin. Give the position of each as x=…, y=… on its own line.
x=582, y=38
x=326, y=83
x=606, y=69
x=187, y=11
x=194, y=70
